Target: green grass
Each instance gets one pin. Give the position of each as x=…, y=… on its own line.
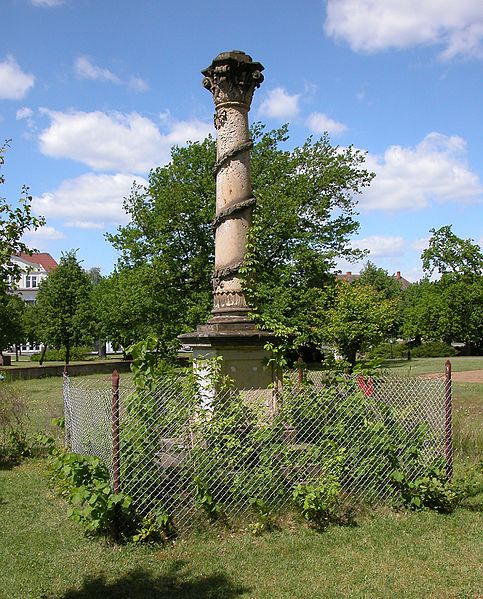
x=397, y=555
x=468, y=421
x=394, y=555
x=418, y=366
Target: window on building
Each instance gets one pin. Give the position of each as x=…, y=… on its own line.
x=31, y=281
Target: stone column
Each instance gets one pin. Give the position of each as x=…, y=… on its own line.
x=231, y=78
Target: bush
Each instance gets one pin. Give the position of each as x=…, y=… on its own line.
x=14, y=439
x=433, y=349
x=386, y=351
x=58, y=355
x=430, y=349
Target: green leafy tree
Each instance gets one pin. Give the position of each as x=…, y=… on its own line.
x=11, y=320
x=15, y=221
x=64, y=306
x=303, y=221
x=380, y=280
x=449, y=254
x=450, y=308
x=358, y=318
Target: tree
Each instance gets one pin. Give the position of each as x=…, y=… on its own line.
x=450, y=308
x=380, y=280
x=448, y=254
x=64, y=305
x=358, y=318
x=14, y=222
x=11, y=324
x=302, y=223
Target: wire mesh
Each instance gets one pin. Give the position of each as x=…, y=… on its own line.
x=182, y=454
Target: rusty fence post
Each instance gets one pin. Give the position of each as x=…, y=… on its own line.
x=448, y=421
x=116, y=457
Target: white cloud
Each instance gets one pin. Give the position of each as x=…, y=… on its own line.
x=14, y=83
x=420, y=244
x=380, y=245
x=45, y=233
x=42, y=238
x=115, y=141
x=319, y=123
x=279, y=104
x=89, y=201
x=47, y=3
x=374, y=25
x=24, y=113
x=412, y=178
x=137, y=84
x=85, y=69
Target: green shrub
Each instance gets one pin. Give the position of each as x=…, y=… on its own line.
x=433, y=349
x=386, y=351
x=319, y=502
x=15, y=443
x=430, y=490
x=58, y=355
x=84, y=483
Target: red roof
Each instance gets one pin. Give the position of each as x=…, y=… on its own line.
x=42, y=258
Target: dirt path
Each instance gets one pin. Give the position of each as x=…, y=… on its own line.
x=468, y=376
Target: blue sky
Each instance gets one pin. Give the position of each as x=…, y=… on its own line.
x=94, y=93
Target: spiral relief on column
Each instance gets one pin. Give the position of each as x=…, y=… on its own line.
x=232, y=79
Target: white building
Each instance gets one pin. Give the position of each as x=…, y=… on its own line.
x=34, y=268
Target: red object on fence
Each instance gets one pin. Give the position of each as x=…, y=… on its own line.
x=448, y=421
x=367, y=388
x=116, y=458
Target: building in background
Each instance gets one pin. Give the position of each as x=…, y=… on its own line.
x=349, y=277
x=35, y=269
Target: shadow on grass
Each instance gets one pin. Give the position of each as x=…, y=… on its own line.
x=141, y=584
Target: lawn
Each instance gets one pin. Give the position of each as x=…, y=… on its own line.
x=44, y=555
x=388, y=554
x=418, y=366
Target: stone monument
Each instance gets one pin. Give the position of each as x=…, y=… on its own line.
x=232, y=78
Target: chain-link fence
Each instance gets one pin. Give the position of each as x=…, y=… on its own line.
x=180, y=447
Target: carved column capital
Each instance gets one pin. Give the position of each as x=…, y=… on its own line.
x=232, y=77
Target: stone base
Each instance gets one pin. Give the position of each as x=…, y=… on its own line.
x=241, y=346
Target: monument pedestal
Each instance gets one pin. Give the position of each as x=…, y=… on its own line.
x=241, y=347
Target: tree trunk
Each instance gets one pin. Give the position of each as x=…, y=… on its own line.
x=67, y=352
x=102, y=349
x=42, y=355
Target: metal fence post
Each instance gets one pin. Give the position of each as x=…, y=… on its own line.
x=116, y=458
x=67, y=415
x=448, y=421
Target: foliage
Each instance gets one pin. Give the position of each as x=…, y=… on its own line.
x=205, y=499
x=433, y=349
x=59, y=355
x=15, y=221
x=11, y=320
x=319, y=502
x=359, y=317
x=266, y=519
x=380, y=280
x=451, y=255
x=84, y=482
x=302, y=223
x=429, y=490
x=15, y=443
x=64, y=306
x=446, y=310
x=429, y=349
x=155, y=527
